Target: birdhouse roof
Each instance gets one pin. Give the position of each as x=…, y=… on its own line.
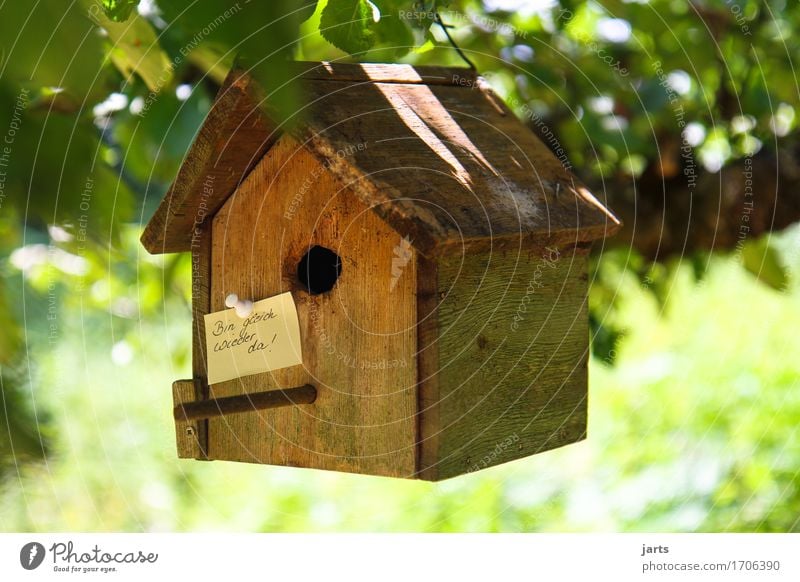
x=434, y=151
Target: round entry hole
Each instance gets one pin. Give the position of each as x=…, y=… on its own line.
x=319, y=269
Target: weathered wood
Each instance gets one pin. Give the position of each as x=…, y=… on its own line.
x=232, y=139
x=383, y=73
x=358, y=340
x=201, y=305
x=245, y=403
x=456, y=335
x=428, y=299
x=187, y=432
x=506, y=388
x=439, y=157
x=446, y=164
x=236, y=134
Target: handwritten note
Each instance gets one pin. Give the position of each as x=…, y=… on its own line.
x=267, y=339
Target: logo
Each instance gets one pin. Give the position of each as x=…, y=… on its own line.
x=402, y=255
x=31, y=555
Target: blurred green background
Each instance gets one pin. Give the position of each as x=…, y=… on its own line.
x=695, y=374
x=693, y=428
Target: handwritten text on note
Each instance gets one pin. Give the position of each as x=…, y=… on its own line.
x=267, y=339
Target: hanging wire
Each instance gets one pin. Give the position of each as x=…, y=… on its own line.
x=444, y=26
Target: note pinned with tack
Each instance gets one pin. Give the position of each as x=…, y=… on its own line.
x=267, y=339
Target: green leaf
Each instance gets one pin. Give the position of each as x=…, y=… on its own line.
x=51, y=45
x=392, y=31
x=213, y=60
x=763, y=260
x=307, y=11
x=604, y=339
x=263, y=34
x=346, y=24
x=56, y=174
x=119, y=10
x=11, y=335
x=135, y=49
x=154, y=143
x=428, y=45
x=25, y=430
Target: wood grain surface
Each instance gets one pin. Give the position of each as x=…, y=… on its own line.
x=448, y=165
x=201, y=305
x=446, y=162
x=505, y=388
x=189, y=434
x=359, y=339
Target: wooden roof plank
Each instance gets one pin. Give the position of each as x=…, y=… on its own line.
x=445, y=164
x=383, y=73
x=442, y=160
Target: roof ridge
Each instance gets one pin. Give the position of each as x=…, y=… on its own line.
x=430, y=158
x=382, y=73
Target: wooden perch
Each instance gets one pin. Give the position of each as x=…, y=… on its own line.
x=213, y=407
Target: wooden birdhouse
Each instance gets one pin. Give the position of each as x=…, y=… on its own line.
x=428, y=256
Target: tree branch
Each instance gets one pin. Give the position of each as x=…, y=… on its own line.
x=664, y=217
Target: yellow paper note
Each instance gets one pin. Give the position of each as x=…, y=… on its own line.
x=267, y=339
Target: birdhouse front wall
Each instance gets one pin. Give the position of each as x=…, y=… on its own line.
x=358, y=338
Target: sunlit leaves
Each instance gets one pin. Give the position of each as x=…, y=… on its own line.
x=346, y=25
x=59, y=178
x=154, y=141
x=119, y=10
x=134, y=48
x=377, y=29
x=262, y=34
x=56, y=174
x=394, y=37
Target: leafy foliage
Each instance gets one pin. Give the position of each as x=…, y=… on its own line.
x=262, y=34
x=119, y=10
x=765, y=261
x=364, y=29
x=50, y=45
x=135, y=50
x=346, y=25
x=102, y=100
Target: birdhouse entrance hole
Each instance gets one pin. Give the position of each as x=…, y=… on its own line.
x=319, y=269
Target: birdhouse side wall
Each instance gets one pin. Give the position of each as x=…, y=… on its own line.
x=503, y=365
